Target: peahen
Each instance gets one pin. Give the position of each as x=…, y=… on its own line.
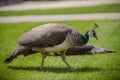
x=51, y=38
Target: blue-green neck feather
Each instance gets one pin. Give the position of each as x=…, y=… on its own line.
x=85, y=37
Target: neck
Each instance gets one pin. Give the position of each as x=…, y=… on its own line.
x=85, y=37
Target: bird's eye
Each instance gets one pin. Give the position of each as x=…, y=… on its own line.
x=94, y=33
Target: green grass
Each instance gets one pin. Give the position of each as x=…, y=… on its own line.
x=87, y=67
x=78, y=10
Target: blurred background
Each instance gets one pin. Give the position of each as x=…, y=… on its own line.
x=9, y=2
x=19, y=16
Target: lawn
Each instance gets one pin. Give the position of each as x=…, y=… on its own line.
x=77, y=10
x=87, y=67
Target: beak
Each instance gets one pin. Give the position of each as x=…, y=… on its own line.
x=96, y=37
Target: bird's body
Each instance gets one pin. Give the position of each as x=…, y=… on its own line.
x=47, y=35
x=61, y=47
x=50, y=38
x=57, y=48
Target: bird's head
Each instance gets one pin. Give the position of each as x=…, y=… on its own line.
x=92, y=33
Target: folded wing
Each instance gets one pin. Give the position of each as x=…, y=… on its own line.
x=47, y=35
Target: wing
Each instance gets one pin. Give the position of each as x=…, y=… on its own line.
x=45, y=36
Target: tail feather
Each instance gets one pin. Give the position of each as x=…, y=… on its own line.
x=15, y=53
x=9, y=59
x=110, y=51
x=12, y=56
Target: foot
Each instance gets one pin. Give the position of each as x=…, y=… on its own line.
x=41, y=68
x=71, y=68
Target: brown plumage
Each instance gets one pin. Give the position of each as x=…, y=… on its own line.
x=47, y=35
x=55, y=38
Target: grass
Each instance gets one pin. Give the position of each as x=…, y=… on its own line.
x=77, y=10
x=92, y=67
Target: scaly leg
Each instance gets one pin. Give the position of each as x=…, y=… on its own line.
x=63, y=56
x=44, y=55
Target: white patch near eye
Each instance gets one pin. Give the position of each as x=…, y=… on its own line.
x=90, y=33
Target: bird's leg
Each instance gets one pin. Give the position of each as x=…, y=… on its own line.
x=44, y=55
x=63, y=56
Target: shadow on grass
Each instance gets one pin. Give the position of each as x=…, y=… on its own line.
x=56, y=69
